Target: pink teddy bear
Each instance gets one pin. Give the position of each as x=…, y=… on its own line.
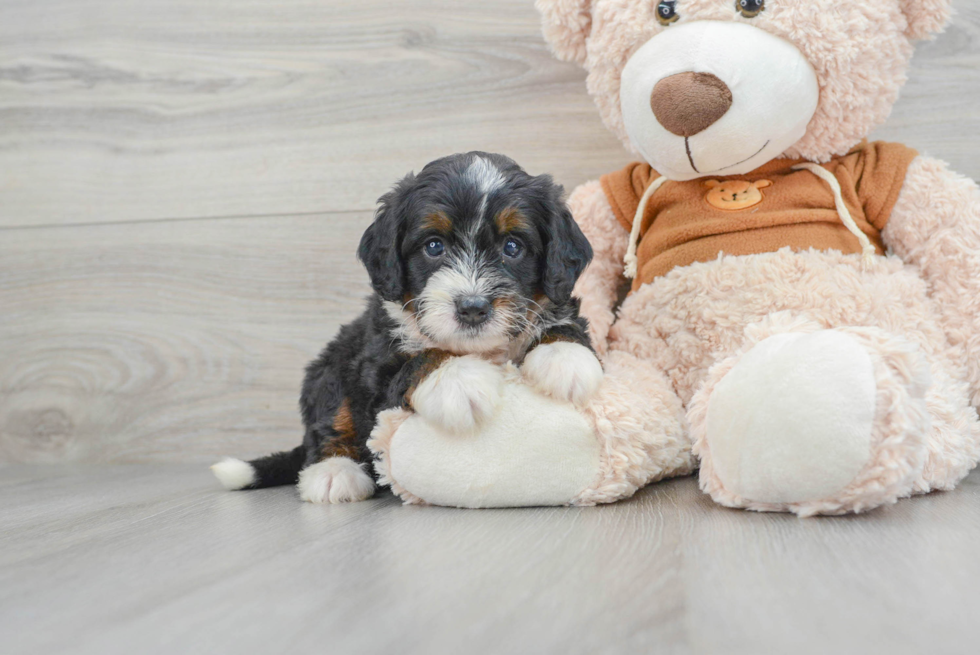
x=804, y=322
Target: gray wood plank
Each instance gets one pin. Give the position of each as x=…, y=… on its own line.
x=118, y=111
x=155, y=559
x=937, y=111
x=147, y=109
x=176, y=340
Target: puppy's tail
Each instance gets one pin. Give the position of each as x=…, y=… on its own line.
x=272, y=470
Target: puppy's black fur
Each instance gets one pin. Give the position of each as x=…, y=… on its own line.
x=469, y=218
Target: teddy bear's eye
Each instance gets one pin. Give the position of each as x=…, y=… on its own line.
x=750, y=8
x=667, y=12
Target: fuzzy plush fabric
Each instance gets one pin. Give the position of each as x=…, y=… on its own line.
x=639, y=422
x=901, y=422
x=882, y=351
x=566, y=25
x=380, y=444
x=598, y=286
x=765, y=93
x=540, y=452
x=792, y=420
x=926, y=18
x=915, y=313
x=694, y=322
x=936, y=226
x=860, y=52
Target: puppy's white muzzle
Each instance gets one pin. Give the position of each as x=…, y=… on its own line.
x=773, y=95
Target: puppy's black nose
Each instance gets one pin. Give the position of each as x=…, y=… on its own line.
x=473, y=310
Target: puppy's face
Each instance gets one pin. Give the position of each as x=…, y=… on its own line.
x=472, y=252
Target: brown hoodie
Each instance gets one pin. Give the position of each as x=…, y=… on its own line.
x=770, y=208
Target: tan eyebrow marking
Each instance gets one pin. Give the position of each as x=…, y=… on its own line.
x=511, y=219
x=438, y=222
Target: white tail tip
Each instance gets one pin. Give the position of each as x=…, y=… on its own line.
x=233, y=473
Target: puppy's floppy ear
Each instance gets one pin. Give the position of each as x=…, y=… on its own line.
x=566, y=25
x=381, y=244
x=567, y=251
x=926, y=17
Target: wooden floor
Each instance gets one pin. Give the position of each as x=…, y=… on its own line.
x=182, y=186
x=154, y=558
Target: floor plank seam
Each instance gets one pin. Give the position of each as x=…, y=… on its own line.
x=186, y=219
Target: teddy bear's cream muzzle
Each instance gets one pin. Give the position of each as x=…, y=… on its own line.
x=716, y=98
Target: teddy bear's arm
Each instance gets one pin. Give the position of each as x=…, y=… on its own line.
x=598, y=286
x=935, y=225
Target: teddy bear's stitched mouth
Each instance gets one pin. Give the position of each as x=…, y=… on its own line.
x=690, y=158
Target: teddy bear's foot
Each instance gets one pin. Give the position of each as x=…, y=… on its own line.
x=813, y=422
x=536, y=451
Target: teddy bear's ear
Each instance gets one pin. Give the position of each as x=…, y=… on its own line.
x=762, y=184
x=566, y=25
x=711, y=184
x=926, y=17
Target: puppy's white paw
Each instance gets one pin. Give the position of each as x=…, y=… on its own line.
x=460, y=394
x=335, y=480
x=564, y=371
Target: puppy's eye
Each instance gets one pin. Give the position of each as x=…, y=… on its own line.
x=434, y=247
x=667, y=12
x=750, y=8
x=513, y=248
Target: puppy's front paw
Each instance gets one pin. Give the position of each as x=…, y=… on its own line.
x=335, y=480
x=460, y=394
x=564, y=371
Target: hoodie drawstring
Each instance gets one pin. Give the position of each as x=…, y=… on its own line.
x=630, y=259
x=867, y=248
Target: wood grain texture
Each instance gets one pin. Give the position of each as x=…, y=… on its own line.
x=148, y=109
x=175, y=340
x=119, y=111
x=156, y=559
x=183, y=184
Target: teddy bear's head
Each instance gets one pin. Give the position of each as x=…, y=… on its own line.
x=720, y=87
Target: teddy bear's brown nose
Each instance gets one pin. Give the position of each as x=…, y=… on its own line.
x=689, y=103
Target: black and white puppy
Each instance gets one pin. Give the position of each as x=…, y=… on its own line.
x=472, y=262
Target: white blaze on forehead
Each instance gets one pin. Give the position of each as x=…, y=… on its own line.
x=487, y=179
x=484, y=175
